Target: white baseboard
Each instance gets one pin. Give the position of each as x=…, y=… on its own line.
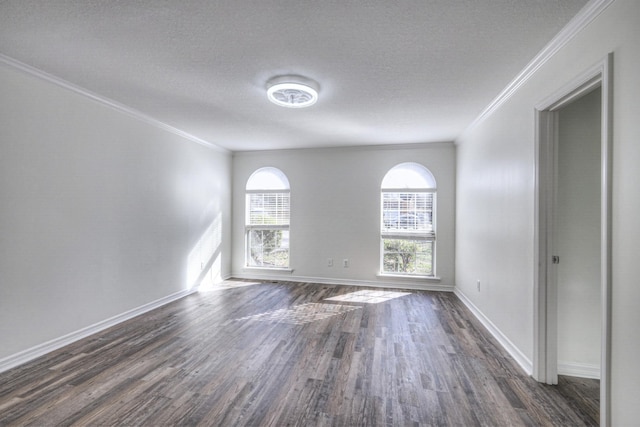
x=511, y=348
x=49, y=346
x=581, y=370
x=391, y=282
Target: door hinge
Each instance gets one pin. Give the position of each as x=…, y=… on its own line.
x=555, y=259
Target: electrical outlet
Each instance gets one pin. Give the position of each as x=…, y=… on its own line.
x=329, y=262
x=478, y=285
x=345, y=263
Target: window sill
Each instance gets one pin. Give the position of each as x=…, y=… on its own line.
x=410, y=277
x=278, y=269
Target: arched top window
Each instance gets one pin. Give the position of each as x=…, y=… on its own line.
x=409, y=175
x=408, y=231
x=268, y=210
x=268, y=179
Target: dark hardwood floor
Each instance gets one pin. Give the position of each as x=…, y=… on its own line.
x=278, y=354
x=583, y=394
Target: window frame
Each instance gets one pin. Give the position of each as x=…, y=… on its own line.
x=417, y=235
x=249, y=227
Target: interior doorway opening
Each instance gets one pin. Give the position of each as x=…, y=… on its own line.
x=564, y=323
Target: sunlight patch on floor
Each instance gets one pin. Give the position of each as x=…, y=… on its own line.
x=369, y=297
x=229, y=284
x=301, y=314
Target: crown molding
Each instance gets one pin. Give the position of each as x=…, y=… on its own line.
x=124, y=109
x=586, y=15
x=356, y=148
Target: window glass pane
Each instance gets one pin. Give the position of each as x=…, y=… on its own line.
x=407, y=256
x=268, y=179
x=407, y=212
x=269, y=209
x=268, y=248
x=409, y=175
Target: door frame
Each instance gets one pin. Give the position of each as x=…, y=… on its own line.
x=545, y=363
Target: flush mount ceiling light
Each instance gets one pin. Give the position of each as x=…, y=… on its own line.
x=292, y=91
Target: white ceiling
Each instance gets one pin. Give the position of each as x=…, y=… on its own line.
x=389, y=71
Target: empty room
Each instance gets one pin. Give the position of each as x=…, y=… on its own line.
x=319, y=213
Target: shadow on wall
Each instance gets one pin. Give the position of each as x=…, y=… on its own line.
x=204, y=265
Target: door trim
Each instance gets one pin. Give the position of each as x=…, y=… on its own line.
x=545, y=363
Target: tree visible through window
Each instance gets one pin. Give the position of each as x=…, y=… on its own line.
x=407, y=226
x=267, y=219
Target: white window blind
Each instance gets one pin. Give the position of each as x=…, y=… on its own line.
x=268, y=209
x=408, y=214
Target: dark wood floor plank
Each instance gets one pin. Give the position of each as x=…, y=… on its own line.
x=278, y=354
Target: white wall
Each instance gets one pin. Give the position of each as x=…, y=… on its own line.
x=99, y=211
x=495, y=199
x=335, y=204
x=578, y=237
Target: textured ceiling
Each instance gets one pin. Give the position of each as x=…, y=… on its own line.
x=389, y=72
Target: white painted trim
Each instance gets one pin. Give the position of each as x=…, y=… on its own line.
x=274, y=269
x=582, y=84
x=396, y=284
x=505, y=342
x=131, y=112
x=432, y=279
x=351, y=148
x=581, y=370
x=49, y=346
x=586, y=15
x=606, y=239
x=545, y=297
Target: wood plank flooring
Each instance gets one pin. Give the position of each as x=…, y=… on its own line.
x=280, y=354
x=583, y=394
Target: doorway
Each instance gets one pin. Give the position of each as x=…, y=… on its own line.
x=572, y=284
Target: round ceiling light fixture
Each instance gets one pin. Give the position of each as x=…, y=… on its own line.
x=292, y=91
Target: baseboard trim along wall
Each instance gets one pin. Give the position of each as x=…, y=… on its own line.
x=49, y=346
x=511, y=348
x=581, y=370
x=388, y=283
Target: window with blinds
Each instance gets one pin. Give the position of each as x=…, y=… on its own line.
x=408, y=230
x=268, y=210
